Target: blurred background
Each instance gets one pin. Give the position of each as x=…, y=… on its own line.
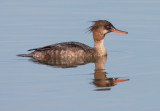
x=26, y=86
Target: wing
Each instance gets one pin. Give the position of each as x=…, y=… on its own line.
x=63, y=46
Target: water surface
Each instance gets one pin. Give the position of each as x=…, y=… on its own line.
x=29, y=86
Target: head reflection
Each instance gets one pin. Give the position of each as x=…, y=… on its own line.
x=100, y=76
x=101, y=81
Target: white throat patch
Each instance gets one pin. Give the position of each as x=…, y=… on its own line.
x=105, y=31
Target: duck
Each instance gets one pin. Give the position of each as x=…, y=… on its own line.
x=68, y=50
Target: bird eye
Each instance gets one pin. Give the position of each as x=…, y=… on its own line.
x=108, y=27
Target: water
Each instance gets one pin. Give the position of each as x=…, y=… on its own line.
x=29, y=86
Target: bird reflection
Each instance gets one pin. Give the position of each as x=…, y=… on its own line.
x=101, y=81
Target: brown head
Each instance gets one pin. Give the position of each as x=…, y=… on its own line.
x=101, y=27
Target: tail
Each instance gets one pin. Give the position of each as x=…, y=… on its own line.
x=25, y=55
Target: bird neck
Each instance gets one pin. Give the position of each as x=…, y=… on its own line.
x=99, y=44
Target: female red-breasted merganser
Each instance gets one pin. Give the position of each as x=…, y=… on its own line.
x=75, y=49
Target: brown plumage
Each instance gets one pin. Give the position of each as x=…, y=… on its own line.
x=63, y=46
x=99, y=23
x=75, y=49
